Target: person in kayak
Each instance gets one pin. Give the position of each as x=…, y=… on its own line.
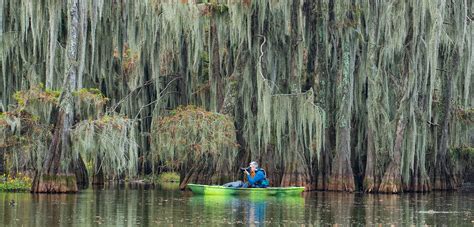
x=256, y=177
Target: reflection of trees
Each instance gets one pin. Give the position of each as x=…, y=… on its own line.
x=420, y=209
x=447, y=208
x=287, y=210
x=324, y=208
x=8, y=214
x=357, y=212
x=393, y=209
x=43, y=209
x=125, y=207
x=343, y=209
x=381, y=209
x=341, y=205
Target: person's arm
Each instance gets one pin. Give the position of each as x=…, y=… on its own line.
x=258, y=177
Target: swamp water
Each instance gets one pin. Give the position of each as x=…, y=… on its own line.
x=165, y=205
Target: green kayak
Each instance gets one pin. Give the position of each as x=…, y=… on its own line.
x=221, y=190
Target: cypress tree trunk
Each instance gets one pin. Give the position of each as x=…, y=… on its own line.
x=342, y=178
x=57, y=176
x=81, y=173
x=392, y=179
x=371, y=182
x=215, y=67
x=199, y=172
x=295, y=48
x=373, y=106
x=98, y=175
x=444, y=178
x=296, y=173
x=2, y=161
x=324, y=170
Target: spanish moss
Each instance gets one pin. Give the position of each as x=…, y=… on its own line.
x=374, y=96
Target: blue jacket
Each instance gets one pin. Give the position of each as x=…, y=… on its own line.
x=257, y=180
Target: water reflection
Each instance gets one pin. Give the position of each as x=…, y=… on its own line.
x=434, y=208
x=249, y=210
x=162, y=205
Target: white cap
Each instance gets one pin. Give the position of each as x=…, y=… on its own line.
x=253, y=163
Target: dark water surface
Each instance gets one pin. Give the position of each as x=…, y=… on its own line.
x=125, y=206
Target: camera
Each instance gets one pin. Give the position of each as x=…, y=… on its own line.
x=243, y=169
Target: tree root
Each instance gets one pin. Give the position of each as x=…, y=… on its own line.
x=55, y=184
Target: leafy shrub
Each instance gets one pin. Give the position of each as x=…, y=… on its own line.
x=14, y=184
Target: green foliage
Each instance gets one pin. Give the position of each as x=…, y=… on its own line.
x=169, y=186
x=37, y=101
x=462, y=160
x=91, y=95
x=26, y=131
x=90, y=103
x=465, y=115
x=15, y=184
x=463, y=154
x=217, y=8
x=24, y=138
x=129, y=59
x=190, y=133
x=168, y=177
x=37, y=94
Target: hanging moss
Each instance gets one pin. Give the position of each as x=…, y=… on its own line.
x=90, y=103
x=190, y=132
x=38, y=101
x=92, y=95
x=24, y=139
x=330, y=73
x=26, y=136
x=293, y=125
x=189, y=136
x=463, y=159
x=109, y=144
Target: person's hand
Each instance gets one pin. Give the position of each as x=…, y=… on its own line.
x=247, y=172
